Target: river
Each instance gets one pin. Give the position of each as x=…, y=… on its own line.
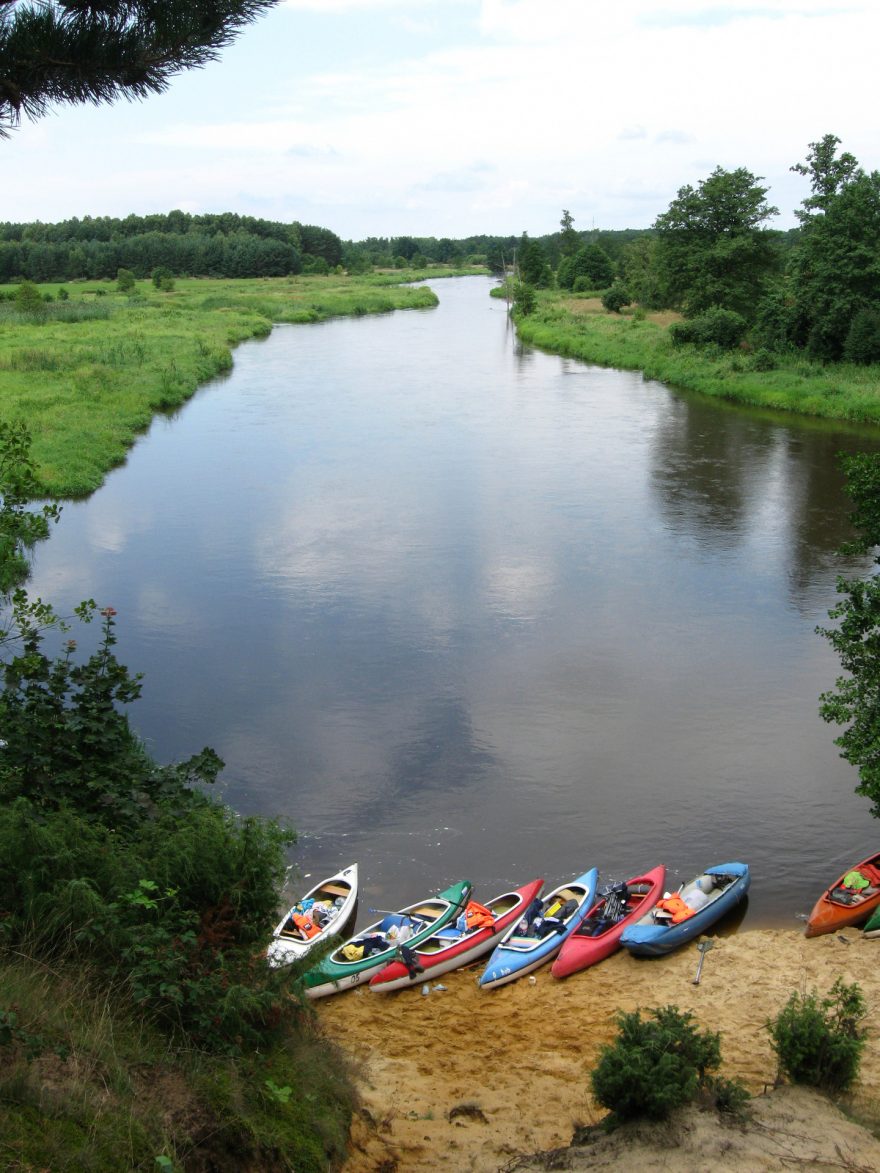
x=455, y=607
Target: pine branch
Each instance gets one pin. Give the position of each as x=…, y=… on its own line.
x=70, y=51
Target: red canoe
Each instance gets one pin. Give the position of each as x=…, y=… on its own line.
x=599, y=934
x=839, y=906
x=450, y=948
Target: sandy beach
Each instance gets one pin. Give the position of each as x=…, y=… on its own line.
x=467, y=1079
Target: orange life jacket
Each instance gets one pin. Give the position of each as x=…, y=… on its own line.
x=306, y=925
x=676, y=906
x=478, y=916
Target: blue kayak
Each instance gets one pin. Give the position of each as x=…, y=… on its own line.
x=712, y=894
x=560, y=913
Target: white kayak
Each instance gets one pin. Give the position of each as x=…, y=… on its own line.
x=325, y=911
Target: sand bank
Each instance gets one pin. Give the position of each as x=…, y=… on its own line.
x=466, y=1079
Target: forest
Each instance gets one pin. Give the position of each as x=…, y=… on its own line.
x=224, y=245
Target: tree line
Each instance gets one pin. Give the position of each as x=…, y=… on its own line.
x=711, y=256
x=218, y=245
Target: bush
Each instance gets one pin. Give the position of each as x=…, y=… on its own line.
x=763, y=360
x=724, y=328
x=730, y=1096
x=862, y=343
x=162, y=278
x=28, y=299
x=820, y=1043
x=125, y=280
x=524, y=299
x=615, y=298
x=655, y=1064
x=107, y=855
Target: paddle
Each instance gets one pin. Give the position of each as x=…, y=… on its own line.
x=704, y=947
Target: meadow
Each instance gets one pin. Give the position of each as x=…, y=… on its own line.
x=89, y=372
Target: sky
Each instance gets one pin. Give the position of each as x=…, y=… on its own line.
x=460, y=117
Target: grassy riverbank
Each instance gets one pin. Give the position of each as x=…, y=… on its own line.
x=88, y=373
x=88, y=1083
x=581, y=328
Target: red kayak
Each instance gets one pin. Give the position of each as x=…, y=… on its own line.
x=453, y=946
x=599, y=934
x=843, y=904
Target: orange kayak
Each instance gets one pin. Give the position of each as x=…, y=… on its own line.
x=839, y=905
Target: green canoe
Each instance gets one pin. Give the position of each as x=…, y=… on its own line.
x=359, y=958
x=872, y=928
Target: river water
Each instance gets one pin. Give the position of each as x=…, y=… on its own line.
x=455, y=607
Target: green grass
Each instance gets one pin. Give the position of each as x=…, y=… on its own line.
x=632, y=341
x=89, y=374
x=107, y=1092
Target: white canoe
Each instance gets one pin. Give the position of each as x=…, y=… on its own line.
x=338, y=895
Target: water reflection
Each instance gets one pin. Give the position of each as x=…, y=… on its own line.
x=758, y=487
x=459, y=608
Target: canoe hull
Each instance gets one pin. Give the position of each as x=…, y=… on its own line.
x=581, y=951
x=645, y=939
x=516, y=956
x=830, y=914
x=287, y=948
x=336, y=973
x=459, y=953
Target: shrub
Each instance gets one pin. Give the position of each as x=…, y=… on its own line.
x=730, y=1097
x=655, y=1064
x=862, y=343
x=724, y=328
x=763, y=360
x=582, y=285
x=124, y=280
x=162, y=278
x=28, y=299
x=820, y=1042
x=615, y=298
x=524, y=299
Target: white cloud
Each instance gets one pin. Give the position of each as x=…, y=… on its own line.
x=552, y=96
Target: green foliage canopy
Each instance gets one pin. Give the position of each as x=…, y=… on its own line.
x=711, y=249
x=20, y=527
x=533, y=265
x=568, y=237
x=856, y=638
x=834, y=272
